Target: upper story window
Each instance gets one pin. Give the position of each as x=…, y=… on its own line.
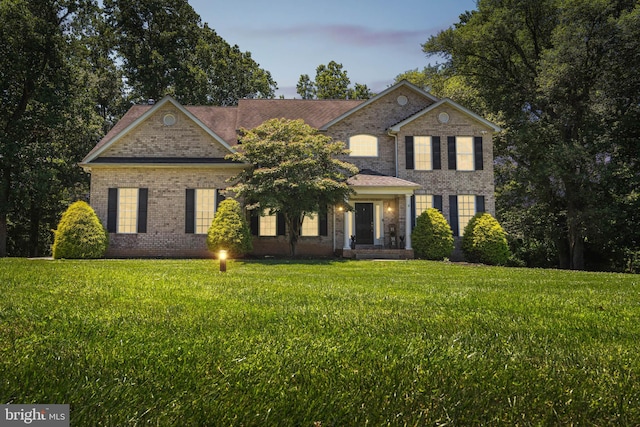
x=422, y=153
x=464, y=153
x=363, y=146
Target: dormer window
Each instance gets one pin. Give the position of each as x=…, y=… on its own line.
x=363, y=146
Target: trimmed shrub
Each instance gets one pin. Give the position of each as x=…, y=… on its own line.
x=485, y=241
x=432, y=237
x=80, y=234
x=229, y=230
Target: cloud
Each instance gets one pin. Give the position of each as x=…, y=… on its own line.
x=355, y=35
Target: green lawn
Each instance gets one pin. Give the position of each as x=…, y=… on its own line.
x=319, y=343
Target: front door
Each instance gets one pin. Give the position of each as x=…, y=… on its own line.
x=364, y=223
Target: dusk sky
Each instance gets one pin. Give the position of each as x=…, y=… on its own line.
x=375, y=40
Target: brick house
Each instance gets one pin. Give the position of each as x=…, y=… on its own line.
x=158, y=175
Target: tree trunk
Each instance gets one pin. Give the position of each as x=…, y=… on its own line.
x=34, y=231
x=3, y=235
x=576, y=239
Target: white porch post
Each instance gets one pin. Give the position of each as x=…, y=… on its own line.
x=346, y=220
x=407, y=220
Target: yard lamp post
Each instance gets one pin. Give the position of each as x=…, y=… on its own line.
x=222, y=256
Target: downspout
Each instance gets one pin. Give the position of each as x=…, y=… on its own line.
x=333, y=214
x=395, y=138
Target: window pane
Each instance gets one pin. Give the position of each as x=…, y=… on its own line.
x=309, y=226
x=464, y=151
x=268, y=225
x=466, y=210
x=205, y=209
x=422, y=152
x=423, y=202
x=127, y=210
x=363, y=146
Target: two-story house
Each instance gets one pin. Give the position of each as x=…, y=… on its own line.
x=158, y=175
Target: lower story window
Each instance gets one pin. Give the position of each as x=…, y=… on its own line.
x=127, y=210
x=423, y=202
x=268, y=225
x=466, y=210
x=205, y=209
x=309, y=226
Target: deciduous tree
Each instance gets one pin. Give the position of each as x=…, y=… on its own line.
x=292, y=169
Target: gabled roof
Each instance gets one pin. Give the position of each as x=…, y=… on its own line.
x=316, y=113
x=403, y=83
x=450, y=103
x=139, y=113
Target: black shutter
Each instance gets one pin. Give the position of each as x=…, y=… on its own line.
x=453, y=215
x=437, y=203
x=435, y=153
x=190, y=212
x=477, y=151
x=409, y=151
x=219, y=198
x=143, y=197
x=112, y=210
x=451, y=147
x=479, y=204
x=413, y=212
x=281, y=224
x=323, y=224
x=254, y=221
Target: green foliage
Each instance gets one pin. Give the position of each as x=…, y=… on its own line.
x=432, y=237
x=229, y=230
x=80, y=234
x=331, y=83
x=173, y=342
x=294, y=170
x=165, y=49
x=485, y=241
x=561, y=78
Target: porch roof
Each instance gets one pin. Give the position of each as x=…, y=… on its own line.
x=372, y=182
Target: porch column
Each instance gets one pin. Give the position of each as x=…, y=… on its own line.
x=407, y=221
x=346, y=220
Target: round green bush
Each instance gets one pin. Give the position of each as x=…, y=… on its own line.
x=229, y=230
x=485, y=241
x=432, y=237
x=80, y=234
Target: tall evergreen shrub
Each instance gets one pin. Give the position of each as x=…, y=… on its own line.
x=432, y=237
x=80, y=234
x=229, y=230
x=485, y=241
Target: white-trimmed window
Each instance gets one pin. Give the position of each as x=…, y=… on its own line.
x=423, y=202
x=268, y=225
x=464, y=153
x=422, y=153
x=127, y=210
x=363, y=146
x=310, y=226
x=466, y=210
x=205, y=209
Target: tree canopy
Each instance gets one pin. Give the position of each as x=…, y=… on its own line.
x=331, y=82
x=293, y=170
x=561, y=76
x=70, y=70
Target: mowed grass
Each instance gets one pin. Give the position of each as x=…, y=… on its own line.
x=131, y=342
